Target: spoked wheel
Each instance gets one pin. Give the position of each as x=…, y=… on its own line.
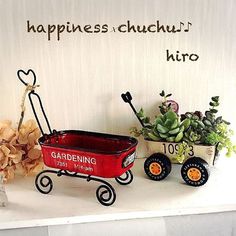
x=157, y=166
x=43, y=182
x=106, y=194
x=195, y=171
x=126, y=178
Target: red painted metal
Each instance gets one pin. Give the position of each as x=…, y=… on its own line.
x=98, y=154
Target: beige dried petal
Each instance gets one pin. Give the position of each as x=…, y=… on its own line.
x=7, y=133
x=31, y=166
x=38, y=167
x=5, y=150
x=13, y=150
x=23, y=138
x=26, y=161
x=33, y=138
x=13, y=141
x=37, y=133
x=4, y=162
x=28, y=127
x=5, y=123
x=16, y=158
x=31, y=125
x=34, y=154
x=2, y=156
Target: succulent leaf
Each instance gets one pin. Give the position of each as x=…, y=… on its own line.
x=179, y=137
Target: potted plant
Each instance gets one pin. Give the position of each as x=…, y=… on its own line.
x=193, y=138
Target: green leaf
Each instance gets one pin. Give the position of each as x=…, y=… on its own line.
x=179, y=137
x=168, y=95
x=170, y=139
x=170, y=115
x=174, y=131
x=164, y=136
x=213, y=110
x=162, y=94
x=162, y=129
x=168, y=123
x=208, y=114
x=175, y=124
x=159, y=120
x=140, y=113
x=200, y=124
x=226, y=122
x=215, y=98
x=219, y=119
x=153, y=137
x=186, y=123
x=207, y=122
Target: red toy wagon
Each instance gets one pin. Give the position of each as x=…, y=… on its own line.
x=88, y=153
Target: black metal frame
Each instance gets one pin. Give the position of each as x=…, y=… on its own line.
x=105, y=193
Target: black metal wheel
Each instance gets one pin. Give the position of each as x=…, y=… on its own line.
x=126, y=178
x=195, y=171
x=43, y=183
x=157, y=166
x=106, y=195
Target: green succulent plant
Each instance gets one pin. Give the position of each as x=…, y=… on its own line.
x=182, y=153
x=166, y=127
x=195, y=132
x=169, y=127
x=191, y=128
x=209, y=129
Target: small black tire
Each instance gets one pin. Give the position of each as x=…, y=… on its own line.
x=157, y=167
x=195, y=171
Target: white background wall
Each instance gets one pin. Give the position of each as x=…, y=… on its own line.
x=82, y=76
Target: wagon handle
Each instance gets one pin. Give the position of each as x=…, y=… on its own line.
x=33, y=93
x=127, y=98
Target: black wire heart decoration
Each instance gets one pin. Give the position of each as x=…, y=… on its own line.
x=26, y=74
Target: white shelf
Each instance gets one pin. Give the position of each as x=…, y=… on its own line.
x=73, y=200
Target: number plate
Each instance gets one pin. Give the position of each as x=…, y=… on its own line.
x=129, y=159
x=207, y=153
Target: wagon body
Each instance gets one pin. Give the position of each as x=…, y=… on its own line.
x=90, y=153
x=170, y=149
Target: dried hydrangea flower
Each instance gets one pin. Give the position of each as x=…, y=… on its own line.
x=19, y=151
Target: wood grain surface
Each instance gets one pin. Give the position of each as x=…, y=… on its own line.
x=82, y=75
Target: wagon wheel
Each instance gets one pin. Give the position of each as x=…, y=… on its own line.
x=195, y=171
x=127, y=179
x=157, y=166
x=43, y=182
x=106, y=194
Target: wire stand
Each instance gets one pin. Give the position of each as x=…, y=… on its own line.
x=105, y=193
